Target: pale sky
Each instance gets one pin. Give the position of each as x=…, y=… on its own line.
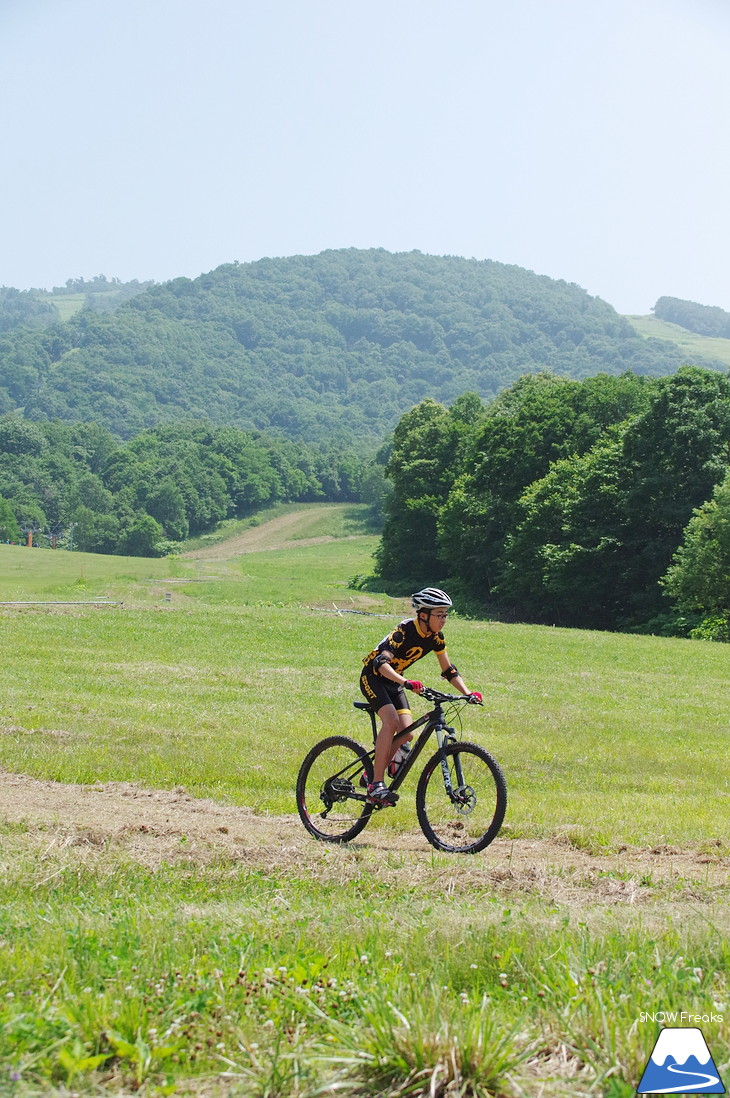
x=586, y=140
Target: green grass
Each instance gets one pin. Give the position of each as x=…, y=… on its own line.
x=131, y=979
x=371, y=969
x=706, y=347
x=315, y=520
x=67, y=305
x=58, y=575
x=624, y=737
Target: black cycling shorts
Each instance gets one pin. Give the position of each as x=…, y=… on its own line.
x=379, y=692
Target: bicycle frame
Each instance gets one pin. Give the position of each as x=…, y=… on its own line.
x=433, y=721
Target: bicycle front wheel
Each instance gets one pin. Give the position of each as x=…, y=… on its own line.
x=461, y=799
x=331, y=789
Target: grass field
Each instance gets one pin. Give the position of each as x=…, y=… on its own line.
x=691, y=343
x=66, y=305
x=169, y=927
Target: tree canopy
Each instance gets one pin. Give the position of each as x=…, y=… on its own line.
x=706, y=320
x=565, y=502
x=141, y=497
x=335, y=345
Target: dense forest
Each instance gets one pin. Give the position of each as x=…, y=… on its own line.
x=76, y=486
x=39, y=308
x=337, y=345
x=705, y=320
x=24, y=308
x=599, y=504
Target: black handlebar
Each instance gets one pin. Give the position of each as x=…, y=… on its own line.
x=432, y=695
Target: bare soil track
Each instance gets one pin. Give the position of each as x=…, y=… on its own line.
x=281, y=532
x=94, y=823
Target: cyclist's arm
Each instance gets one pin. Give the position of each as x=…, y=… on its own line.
x=387, y=671
x=455, y=680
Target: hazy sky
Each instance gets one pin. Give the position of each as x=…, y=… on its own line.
x=584, y=139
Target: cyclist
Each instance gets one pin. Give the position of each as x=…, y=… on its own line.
x=383, y=683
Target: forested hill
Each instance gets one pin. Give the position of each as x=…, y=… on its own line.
x=334, y=345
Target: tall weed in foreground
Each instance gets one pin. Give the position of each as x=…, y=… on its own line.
x=430, y=1043
x=271, y=984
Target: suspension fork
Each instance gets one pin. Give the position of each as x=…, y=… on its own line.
x=445, y=736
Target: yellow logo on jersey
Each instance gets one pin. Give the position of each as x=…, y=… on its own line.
x=410, y=657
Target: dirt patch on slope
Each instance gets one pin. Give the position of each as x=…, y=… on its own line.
x=53, y=820
x=277, y=533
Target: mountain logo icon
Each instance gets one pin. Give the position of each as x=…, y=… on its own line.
x=680, y=1063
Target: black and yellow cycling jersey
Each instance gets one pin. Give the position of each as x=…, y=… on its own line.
x=406, y=644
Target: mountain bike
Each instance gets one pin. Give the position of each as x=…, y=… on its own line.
x=461, y=797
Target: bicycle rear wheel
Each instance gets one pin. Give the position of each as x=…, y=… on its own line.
x=330, y=797
x=463, y=815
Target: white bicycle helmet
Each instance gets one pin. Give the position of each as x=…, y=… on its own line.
x=429, y=598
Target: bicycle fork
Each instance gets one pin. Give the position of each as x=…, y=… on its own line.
x=445, y=736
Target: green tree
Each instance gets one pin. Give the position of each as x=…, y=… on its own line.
x=167, y=504
x=9, y=529
x=17, y=436
x=698, y=579
x=674, y=455
x=421, y=470
x=541, y=419
x=593, y=537
x=565, y=559
x=330, y=347
x=143, y=538
x=94, y=532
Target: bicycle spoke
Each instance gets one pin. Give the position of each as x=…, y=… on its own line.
x=330, y=796
x=461, y=813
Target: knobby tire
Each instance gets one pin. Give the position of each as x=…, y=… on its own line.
x=472, y=819
x=324, y=805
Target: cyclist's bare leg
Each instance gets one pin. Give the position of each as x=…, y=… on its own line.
x=391, y=724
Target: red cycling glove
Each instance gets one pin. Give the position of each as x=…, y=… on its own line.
x=413, y=684
x=476, y=697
